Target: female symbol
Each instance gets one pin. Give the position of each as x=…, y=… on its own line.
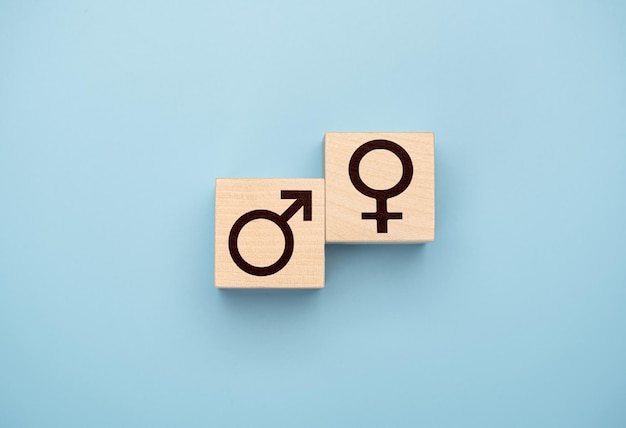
x=381, y=215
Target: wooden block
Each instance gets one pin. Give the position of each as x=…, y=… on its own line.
x=380, y=187
x=269, y=233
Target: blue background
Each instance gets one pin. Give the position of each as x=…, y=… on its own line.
x=116, y=118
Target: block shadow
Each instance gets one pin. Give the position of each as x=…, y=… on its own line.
x=379, y=262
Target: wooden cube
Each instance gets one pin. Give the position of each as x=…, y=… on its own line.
x=380, y=187
x=269, y=233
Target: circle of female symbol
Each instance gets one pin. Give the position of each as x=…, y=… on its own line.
x=382, y=216
x=303, y=200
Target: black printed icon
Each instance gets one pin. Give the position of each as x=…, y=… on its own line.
x=382, y=216
x=303, y=199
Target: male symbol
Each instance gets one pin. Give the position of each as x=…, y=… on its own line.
x=303, y=199
x=381, y=215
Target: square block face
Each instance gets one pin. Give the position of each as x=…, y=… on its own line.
x=269, y=233
x=380, y=187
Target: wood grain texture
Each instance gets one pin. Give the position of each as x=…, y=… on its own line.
x=379, y=169
x=260, y=241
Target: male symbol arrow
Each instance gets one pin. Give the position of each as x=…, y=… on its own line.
x=302, y=199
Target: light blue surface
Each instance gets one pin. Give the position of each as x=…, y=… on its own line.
x=116, y=118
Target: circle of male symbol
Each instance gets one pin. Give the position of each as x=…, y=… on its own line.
x=382, y=216
x=303, y=199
